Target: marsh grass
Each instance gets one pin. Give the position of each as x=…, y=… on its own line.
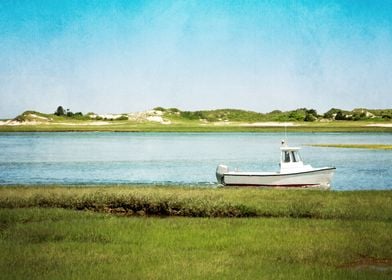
x=202, y=202
x=356, y=146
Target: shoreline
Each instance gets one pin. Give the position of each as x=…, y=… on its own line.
x=220, y=120
x=178, y=186
x=354, y=146
x=211, y=128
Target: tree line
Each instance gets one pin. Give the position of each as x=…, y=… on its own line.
x=61, y=112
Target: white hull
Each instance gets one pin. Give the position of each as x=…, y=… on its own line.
x=315, y=178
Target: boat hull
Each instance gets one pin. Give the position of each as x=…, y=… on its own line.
x=316, y=178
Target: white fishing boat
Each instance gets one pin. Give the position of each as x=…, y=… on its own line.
x=293, y=173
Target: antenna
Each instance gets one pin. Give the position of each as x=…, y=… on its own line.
x=284, y=141
x=285, y=131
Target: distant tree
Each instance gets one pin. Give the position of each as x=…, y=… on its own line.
x=312, y=112
x=357, y=116
x=331, y=113
x=387, y=117
x=60, y=111
x=67, y=113
x=173, y=110
x=122, y=118
x=340, y=116
x=297, y=115
x=310, y=117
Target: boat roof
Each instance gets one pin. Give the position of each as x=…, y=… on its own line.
x=286, y=148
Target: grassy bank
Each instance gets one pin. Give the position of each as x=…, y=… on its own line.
x=195, y=126
x=118, y=235
x=356, y=146
x=196, y=202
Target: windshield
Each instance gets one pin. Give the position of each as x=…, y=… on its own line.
x=291, y=156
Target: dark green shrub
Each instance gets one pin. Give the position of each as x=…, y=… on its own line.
x=340, y=116
x=123, y=118
x=310, y=118
x=60, y=111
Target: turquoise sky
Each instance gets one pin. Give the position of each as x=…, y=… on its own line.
x=123, y=56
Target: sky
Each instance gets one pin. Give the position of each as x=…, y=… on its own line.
x=127, y=56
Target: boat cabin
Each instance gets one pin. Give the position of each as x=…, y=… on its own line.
x=290, y=155
x=290, y=158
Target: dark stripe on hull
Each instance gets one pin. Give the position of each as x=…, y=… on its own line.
x=272, y=186
x=279, y=174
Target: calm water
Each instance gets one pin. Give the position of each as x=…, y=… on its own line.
x=191, y=158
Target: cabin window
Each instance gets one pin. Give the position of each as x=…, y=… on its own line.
x=286, y=156
x=294, y=156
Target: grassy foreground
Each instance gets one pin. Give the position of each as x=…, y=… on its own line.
x=120, y=234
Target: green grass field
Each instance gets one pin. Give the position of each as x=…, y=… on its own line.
x=191, y=233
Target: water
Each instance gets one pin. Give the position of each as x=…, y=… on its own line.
x=181, y=158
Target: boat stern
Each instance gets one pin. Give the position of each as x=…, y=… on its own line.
x=220, y=171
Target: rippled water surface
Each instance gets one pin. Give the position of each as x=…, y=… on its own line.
x=191, y=158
